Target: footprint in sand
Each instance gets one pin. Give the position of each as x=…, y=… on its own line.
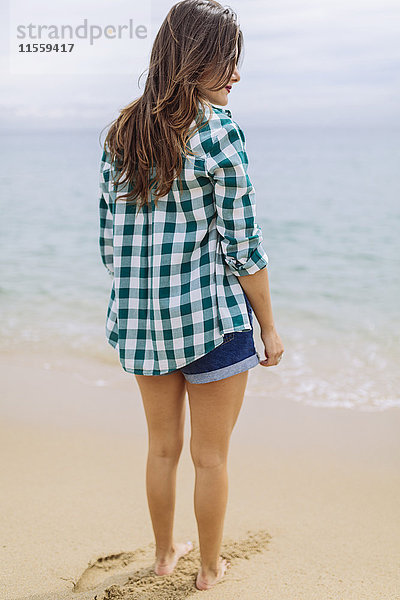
x=96, y=572
x=144, y=584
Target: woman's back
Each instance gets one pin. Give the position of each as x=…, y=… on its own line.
x=175, y=265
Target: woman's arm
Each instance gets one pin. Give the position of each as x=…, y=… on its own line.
x=256, y=288
x=241, y=237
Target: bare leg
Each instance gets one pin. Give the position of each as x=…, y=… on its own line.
x=164, y=405
x=214, y=409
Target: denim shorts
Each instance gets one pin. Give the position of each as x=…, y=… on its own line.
x=236, y=354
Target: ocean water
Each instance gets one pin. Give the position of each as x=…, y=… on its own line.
x=328, y=202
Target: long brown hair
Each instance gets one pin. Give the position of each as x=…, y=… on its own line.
x=198, y=43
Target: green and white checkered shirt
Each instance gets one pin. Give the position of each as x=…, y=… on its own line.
x=175, y=267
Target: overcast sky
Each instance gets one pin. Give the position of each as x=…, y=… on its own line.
x=323, y=62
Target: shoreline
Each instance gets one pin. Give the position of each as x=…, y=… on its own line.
x=313, y=493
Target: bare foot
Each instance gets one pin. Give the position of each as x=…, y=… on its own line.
x=166, y=567
x=205, y=582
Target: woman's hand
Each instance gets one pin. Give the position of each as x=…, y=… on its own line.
x=273, y=347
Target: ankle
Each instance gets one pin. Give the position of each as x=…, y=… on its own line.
x=164, y=554
x=211, y=570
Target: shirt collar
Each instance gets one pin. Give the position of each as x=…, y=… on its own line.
x=225, y=110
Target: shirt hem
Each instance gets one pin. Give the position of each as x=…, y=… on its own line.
x=137, y=371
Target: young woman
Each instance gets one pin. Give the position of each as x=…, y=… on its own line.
x=179, y=239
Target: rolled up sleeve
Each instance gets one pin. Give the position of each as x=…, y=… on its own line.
x=241, y=236
x=106, y=242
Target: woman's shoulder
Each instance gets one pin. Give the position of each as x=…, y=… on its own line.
x=221, y=127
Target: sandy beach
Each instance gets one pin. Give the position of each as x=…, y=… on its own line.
x=313, y=508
